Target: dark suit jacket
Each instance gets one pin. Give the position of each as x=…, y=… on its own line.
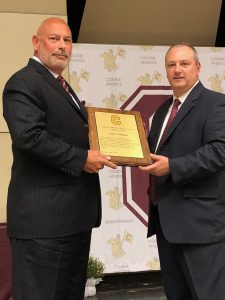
x=49, y=194
x=192, y=198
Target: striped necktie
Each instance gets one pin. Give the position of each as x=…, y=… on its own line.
x=64, y=84
x=62, y=81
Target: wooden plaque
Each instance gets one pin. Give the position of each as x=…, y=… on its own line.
x=119, y=134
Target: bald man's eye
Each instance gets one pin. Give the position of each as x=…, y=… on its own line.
x=54, y=38
x=68, y=40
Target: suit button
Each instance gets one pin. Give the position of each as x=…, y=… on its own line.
x=86, y=125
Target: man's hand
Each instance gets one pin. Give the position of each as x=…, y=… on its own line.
x=159, y=167
x=97, y=161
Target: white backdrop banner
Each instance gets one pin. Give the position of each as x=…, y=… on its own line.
x=131, y=78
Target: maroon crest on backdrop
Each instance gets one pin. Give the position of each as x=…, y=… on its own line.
x=145, y=99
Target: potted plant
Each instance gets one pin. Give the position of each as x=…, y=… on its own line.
x=94, y=275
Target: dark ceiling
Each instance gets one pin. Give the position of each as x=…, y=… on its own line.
x=147, y=22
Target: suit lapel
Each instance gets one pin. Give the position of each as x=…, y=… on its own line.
x=183, y=111
x=186, y=107
x=56, y=85
x=82, y=108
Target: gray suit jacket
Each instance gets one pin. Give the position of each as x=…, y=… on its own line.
x=49, y=194
x=192, y=198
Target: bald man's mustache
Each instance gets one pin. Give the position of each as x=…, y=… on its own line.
x=61, y=54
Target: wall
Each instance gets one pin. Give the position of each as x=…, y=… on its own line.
x=18, y=22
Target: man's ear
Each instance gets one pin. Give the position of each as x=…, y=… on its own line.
x=35, y=41
x=199, y=67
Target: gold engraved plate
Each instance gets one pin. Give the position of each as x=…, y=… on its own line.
x=120, y=134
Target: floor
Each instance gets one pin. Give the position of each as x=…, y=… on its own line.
x=135, y=286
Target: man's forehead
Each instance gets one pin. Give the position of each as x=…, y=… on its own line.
x=180, y=55
x=54, y=28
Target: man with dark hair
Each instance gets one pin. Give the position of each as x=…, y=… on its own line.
x=187, y=176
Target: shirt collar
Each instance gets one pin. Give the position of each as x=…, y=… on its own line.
x=184, y=96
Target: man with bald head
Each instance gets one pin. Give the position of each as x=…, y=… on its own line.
x=54, y=197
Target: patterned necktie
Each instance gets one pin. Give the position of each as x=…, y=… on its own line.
x=64, y=84
x=66, y=88
x=152, y=179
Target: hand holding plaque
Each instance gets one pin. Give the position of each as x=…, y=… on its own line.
x=120, y=134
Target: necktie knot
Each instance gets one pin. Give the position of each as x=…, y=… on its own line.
x=176, y=102
x=60, y=79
